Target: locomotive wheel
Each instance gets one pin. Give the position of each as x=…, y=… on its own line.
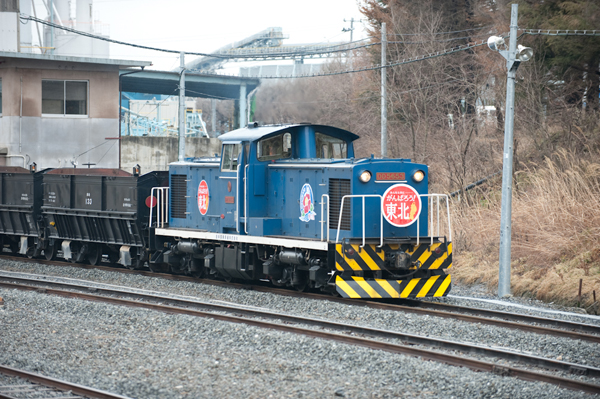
x=158, y=267
x=50, y=252
x=94, y=255
x=276, y=283
x=301, y=287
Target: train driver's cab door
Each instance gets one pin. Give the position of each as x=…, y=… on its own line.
x=231, y=168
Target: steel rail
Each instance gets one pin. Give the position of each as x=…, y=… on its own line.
x=180, y=306
x=59, y=384
x=561, y=328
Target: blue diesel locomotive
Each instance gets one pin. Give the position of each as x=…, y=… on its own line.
x=292, y=205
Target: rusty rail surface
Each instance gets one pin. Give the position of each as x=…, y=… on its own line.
x=58, y=384
x=189, y=307
x=556, y=327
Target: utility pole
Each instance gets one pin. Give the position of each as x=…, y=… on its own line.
x=506, y=211
x=383, y=91
x=514, y=56
x=182, y=121
x=351, y=29
x=52, y=29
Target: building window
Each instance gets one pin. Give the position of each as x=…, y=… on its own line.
x=64, y=97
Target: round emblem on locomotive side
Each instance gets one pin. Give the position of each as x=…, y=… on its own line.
x=307, y=204
x=401, y=205
x=203, y=197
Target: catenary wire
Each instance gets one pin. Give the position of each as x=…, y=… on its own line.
x=331, y=49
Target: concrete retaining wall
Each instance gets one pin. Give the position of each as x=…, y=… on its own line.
x=155, y=153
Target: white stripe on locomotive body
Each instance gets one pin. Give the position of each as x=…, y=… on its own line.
x=280, y=242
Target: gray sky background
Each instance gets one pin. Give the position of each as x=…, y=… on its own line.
x=204, y=26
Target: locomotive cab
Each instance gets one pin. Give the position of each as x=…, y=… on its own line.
x=291, y=204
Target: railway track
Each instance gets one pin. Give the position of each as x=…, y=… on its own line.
x=516, y=321
x=39, y=386
x=340, y=332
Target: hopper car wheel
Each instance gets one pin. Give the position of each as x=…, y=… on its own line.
x=78, y=252
x=113, y=256
x=14, y=246
x=50, y=252
x=30, y=252
x=94, y=255
x=137, y=264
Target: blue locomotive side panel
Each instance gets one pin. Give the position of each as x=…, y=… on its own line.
x=306, y=196
x=204, y=196
x=279, y=183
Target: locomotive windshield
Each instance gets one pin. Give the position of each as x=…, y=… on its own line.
x=277, y=147
x=330, y=147
x=230, y=157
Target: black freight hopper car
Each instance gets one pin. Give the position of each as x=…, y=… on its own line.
x=20, y=203
x=88, y=213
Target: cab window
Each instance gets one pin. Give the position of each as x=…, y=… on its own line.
x=229, y=161
x=277, y=147
x=330, y=147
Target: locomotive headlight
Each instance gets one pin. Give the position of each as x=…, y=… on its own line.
x=418, y=176
x=365, y=176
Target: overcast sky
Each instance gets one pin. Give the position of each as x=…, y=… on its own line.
x=204, y=26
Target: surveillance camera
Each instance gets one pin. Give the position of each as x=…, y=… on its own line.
x=494, y=43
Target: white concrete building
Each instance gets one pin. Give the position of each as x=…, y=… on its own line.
x=58, y=111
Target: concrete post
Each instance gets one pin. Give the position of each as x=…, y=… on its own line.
x=383, y=91
x=213, y=115
x=505, y=218
x=182, y=121
x=242, y=103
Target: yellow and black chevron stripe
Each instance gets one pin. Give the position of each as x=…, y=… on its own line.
x=358, y=287
x=372, y=258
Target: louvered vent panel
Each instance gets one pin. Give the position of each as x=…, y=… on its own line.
x=337, y=189
x=178, y=192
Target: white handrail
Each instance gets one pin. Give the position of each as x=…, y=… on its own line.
x=430, y=220
x=431, y=216
x=322, y=221
x=246, y=199
x=162, y=207
x=363, y=217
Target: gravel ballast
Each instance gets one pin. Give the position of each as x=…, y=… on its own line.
x=146, y=354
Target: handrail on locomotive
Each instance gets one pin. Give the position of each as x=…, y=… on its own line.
x=162, y=214
x=430, y=216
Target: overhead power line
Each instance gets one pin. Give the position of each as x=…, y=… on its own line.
x=325, y=50
x=339, y=48
x=562, y=32
x=440, y=33
x=453, y=50
x=378, y=67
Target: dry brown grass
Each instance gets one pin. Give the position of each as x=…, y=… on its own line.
x=555, y=233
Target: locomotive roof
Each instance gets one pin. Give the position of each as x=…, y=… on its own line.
x=253, y=133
